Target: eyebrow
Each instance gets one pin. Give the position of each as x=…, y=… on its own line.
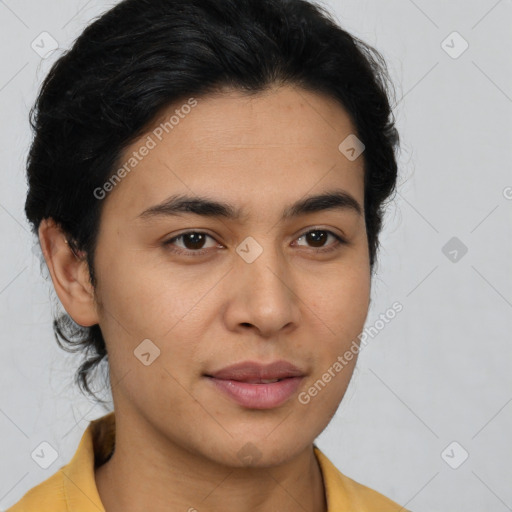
x=207, y=207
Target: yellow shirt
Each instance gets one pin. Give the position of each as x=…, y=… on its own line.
x=73, y=487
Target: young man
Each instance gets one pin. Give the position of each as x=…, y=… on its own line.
x=206, y=181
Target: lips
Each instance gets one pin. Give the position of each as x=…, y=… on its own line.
x=256, y=386
x=257, y=373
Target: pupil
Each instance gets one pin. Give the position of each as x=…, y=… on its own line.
x=315, y=238
x=198, y=239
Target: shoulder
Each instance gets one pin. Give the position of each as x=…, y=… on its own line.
x=73, y=486
x=345, y=493
x=48, y=496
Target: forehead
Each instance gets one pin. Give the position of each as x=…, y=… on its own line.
x=257, y=150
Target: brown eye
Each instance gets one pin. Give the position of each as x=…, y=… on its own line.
x=318, y=237
x=193, y=242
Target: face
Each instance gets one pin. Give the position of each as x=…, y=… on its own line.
x=183, y=294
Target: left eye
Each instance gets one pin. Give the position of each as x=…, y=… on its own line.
x=308, y=236
x=195, y=241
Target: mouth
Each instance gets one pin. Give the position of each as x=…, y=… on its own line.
x=254, y=385
x=252, y=381
x=257, y=393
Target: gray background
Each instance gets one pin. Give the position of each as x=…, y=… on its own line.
x=437, y=373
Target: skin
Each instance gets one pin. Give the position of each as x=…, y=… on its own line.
x=177, y=437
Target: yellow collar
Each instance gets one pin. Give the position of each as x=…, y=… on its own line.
x=73, y=487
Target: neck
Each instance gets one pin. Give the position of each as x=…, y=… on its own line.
x=141, y=473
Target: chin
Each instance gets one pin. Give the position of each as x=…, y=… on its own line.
x=264, y=453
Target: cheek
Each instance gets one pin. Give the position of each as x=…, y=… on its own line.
x=339, y=314
x=144, y=300
x=340, y=299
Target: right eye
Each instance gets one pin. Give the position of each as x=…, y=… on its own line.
x=195, y=239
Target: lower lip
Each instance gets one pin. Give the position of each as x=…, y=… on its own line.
x=258, y=396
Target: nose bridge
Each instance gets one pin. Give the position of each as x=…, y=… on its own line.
x=264, y=284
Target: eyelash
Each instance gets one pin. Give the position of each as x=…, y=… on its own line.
x=339, y=242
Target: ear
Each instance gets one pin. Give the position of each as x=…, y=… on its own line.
x=69, y=273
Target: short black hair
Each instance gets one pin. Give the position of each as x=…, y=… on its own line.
x=141, y=56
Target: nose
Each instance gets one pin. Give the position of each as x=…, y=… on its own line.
x=262, y=294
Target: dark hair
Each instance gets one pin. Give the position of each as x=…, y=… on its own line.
x=141, y=56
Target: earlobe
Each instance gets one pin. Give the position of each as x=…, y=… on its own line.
x=69, y=272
